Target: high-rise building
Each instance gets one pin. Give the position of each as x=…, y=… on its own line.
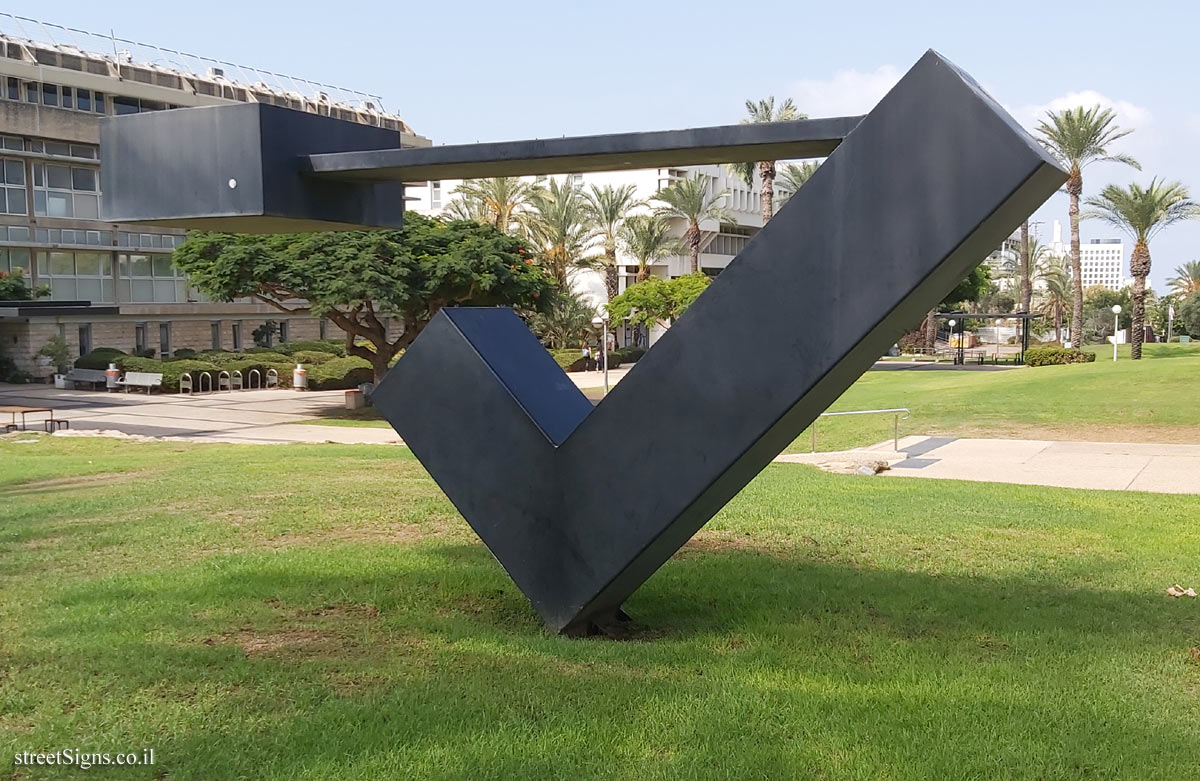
x=1100, y=260
x=113, y=285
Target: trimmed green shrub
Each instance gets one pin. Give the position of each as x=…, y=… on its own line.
x=265, y=354
x=569, y=360
x=340, y=374
x=184, y=352
x=219, y=357
x=170, y=370
x=99, y=358
x=247, y=364
x=627, y=354
x=1057, y=356
x=312, y=357
x=9, y=371
x=334, y=346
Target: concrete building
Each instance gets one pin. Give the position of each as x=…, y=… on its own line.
x=720, y=241
x=113, y=285
x=1101, y=261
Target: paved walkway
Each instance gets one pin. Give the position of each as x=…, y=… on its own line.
x=1099, y=465
x=266, y=416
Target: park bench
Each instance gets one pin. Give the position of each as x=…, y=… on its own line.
x=92, y=376
x=145, y=380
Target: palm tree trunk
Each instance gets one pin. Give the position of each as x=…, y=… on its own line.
x=611, y=277
x=930, y=329
x=1139, y=266
x=1026, y=287
x=693, y=239
x=643, y=272
x=1074, y=189
x=1058, y=313
x=766, y=197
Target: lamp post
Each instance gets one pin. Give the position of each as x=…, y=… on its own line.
x=953, y=323
x=601, y=322
x=1116, y=325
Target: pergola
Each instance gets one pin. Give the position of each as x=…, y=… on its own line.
x=960, y=319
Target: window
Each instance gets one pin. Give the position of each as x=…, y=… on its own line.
x=435, y=195
x=77, y=275
x=237, y=337
x=49, y=94
x=14, y=88
x=216, y=334
x=15, y=261
x=283, y=331
x=67, y=100
x=83, y=99
x=31, y=92
x=66, y=191
x=322, y=328
x=139, y=337
x=144, y=278
x=12, y=195
x=85, y=339
x=164, y=339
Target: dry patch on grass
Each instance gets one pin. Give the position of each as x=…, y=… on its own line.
x=1073, y=432
x=308, y=633
x=397, y=533
x=59, y=484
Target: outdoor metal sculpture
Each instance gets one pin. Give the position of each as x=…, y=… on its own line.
x=581, y=505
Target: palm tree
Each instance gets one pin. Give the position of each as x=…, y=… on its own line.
x=1024, y=267
x=498, y=200
x=560, y=226
x=765, y=111
x=1055, y=274
x=794, y=175
x=691, y=201
x=567, y=321
x=1187, y=279
x=1142, y=213
x=608, y=208
x=647, y=237
x=1079, y=137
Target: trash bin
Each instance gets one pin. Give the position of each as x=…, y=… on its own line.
x=111, y=375
x=355, y=399
x=300, y=378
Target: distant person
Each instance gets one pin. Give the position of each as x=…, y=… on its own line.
x=587, y=358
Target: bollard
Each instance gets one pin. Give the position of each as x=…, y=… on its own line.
x=355, y=399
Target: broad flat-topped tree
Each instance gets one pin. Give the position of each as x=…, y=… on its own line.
x=359, y=279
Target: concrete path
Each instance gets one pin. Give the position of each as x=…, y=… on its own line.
x=1097, y=465
x=267, y=416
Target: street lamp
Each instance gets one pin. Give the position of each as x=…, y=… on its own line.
x=601, y=322
x=953, y=323
x=1116, y=325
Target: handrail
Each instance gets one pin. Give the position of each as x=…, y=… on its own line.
x=891, y=411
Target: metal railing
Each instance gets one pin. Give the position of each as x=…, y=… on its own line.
x=896, y=412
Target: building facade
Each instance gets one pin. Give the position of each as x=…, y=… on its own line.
x=114, y=285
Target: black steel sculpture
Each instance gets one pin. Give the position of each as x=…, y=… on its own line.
x=582, y=505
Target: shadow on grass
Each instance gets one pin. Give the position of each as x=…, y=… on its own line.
x=760, y=663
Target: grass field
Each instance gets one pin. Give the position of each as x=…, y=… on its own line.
x=1154, y=400
x=322, y=612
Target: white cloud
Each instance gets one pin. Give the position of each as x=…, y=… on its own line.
x=846, y=93
x=1129, y=115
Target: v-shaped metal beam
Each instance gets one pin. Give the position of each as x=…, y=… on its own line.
x=582, y=505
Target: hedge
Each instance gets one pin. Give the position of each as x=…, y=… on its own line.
x=170, y=370
x=264, y=354
x=340, y=374
x=1056, y=356
x=333, y=346
x=312, y=357
x=99, y=358
x=249, y=363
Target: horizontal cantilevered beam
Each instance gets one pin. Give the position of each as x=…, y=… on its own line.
x=581, y=154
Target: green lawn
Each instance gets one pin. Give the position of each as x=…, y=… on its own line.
x=322, y=612
x=1155, y=400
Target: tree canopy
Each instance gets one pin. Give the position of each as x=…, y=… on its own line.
x=657, y=300
x=358, y=279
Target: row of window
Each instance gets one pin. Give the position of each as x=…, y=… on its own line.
x=43, y=147
x=72, y=276
x=58, y=190
x=91, y=238
x=77, y=98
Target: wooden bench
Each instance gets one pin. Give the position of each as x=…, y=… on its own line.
x=92, y=376
x=145, y=380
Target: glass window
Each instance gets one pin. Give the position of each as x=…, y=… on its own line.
x=83, y=100
x=31, y=92
x=139, y=266
x=58, y=176
x=67, y=101
x=216, y=334
x=15, y=143
x=14, y=88
x=60, y=263
x=283, y=331
x=164, y=339
x=98, y=103
x=162, y=266
x=236, y=330
x=124, y=105
x=87, y=207
x=139, y=336
x=14, y=171
x=85, y=339
x=87, y=264
x=12, y=200
x=50, y=94
x=18, y=233
x=58, y=205
x=83, y=179
x=57, y=148
x=83, y=150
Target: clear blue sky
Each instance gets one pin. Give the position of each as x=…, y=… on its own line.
x=465, y=71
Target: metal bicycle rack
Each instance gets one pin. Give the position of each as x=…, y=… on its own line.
x=200, y=383
x=235, y=381
x=272, y=378
x=254, y=379
x=223, y=382
x=185, y=383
